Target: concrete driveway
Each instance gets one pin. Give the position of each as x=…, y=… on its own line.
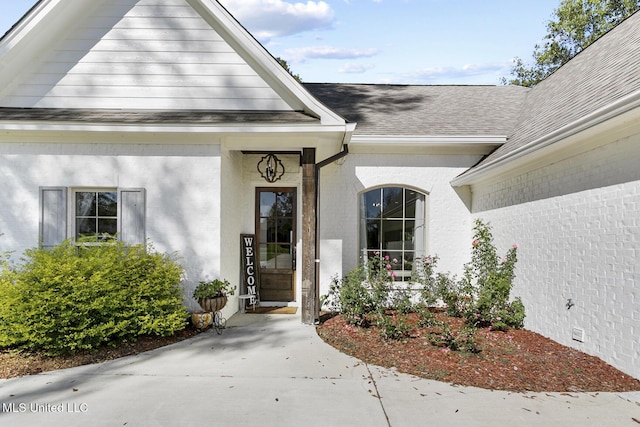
x=270, y=370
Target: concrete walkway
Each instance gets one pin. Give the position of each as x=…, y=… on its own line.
x=270, y=370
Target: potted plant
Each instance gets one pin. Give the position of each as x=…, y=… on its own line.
x=212, y=294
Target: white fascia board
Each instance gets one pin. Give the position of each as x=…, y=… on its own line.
x=263, y=62
x=159, y=128
x=600, y=120
x=420, y=143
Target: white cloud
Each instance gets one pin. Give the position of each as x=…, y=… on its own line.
x=328, y=52
x=352, y=68
x=266, y=19
x=451, y=73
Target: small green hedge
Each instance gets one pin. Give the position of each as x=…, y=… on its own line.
x=72, y=298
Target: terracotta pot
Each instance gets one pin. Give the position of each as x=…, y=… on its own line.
x=213, y=304
x=201, y=319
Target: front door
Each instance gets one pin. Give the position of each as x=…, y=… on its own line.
x=276, y=237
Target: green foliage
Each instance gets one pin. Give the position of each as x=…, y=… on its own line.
x=481, y=295
x=355, y=299
x=285, y=65
x=491, y=280
x=463, y=340
x=73, y=298
x=393, y=327
x=576, y=24
x=213, y=288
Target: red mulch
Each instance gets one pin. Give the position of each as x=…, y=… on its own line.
x=516, y=360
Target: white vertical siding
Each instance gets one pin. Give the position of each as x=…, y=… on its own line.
x=147, y=54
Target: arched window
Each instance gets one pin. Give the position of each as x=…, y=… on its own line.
x=392, y=223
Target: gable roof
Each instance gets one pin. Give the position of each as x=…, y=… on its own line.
x=419, y=110
x=600, y=83
x=82, y=42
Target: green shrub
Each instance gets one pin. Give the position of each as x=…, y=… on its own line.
x=355, y=298
x=490, y=280
x=73, y=298
x=393, y=327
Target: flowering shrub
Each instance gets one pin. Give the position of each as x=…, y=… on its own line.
x=481, y=295
x=489, y=280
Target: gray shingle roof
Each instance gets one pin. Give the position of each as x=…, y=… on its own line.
x=424, y=110
x=155, y=116
x=601, y=74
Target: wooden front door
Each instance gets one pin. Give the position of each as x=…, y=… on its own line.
x=276, y=237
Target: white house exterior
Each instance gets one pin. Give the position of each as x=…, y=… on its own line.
x=165, y=114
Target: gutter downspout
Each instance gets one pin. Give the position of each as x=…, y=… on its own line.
x=325, y=162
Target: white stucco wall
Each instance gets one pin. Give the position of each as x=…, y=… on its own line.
x=449, y=220
x=182, y=185
x=577, y=224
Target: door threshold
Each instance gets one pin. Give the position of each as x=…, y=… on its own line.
x=277, y=304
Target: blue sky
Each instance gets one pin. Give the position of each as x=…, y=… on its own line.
x=386, y=41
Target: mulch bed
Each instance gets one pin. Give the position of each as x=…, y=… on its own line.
x=515, y=360
x=17, y=363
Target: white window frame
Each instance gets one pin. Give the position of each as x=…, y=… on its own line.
x=72, y=230
x=420, y=238
x=57, y=214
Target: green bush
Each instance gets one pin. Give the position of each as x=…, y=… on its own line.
x=73, y=298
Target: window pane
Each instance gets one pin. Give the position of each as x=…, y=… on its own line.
x=85, y=204
x=373, y=234
x=409, y=229
x=108, y=204
x=412, y=197
x=392, y=202
x=107, y=226
x=85, y=227
x=392, y=234
x=373, y=203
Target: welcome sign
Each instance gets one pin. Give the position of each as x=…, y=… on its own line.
x=249, y=272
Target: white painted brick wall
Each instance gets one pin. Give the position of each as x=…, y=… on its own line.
x=182, y=184
x=449, y=220
x=577, y=224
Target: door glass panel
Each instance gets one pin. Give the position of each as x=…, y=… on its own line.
x=267, y=202
x=285, y=226
x=283, y=257
x=285, y=204
x=276, y=229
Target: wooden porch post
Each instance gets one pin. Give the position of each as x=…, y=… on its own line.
x=309, y=200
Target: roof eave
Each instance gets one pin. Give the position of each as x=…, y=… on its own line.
x=472, y=144
x=551, y=141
